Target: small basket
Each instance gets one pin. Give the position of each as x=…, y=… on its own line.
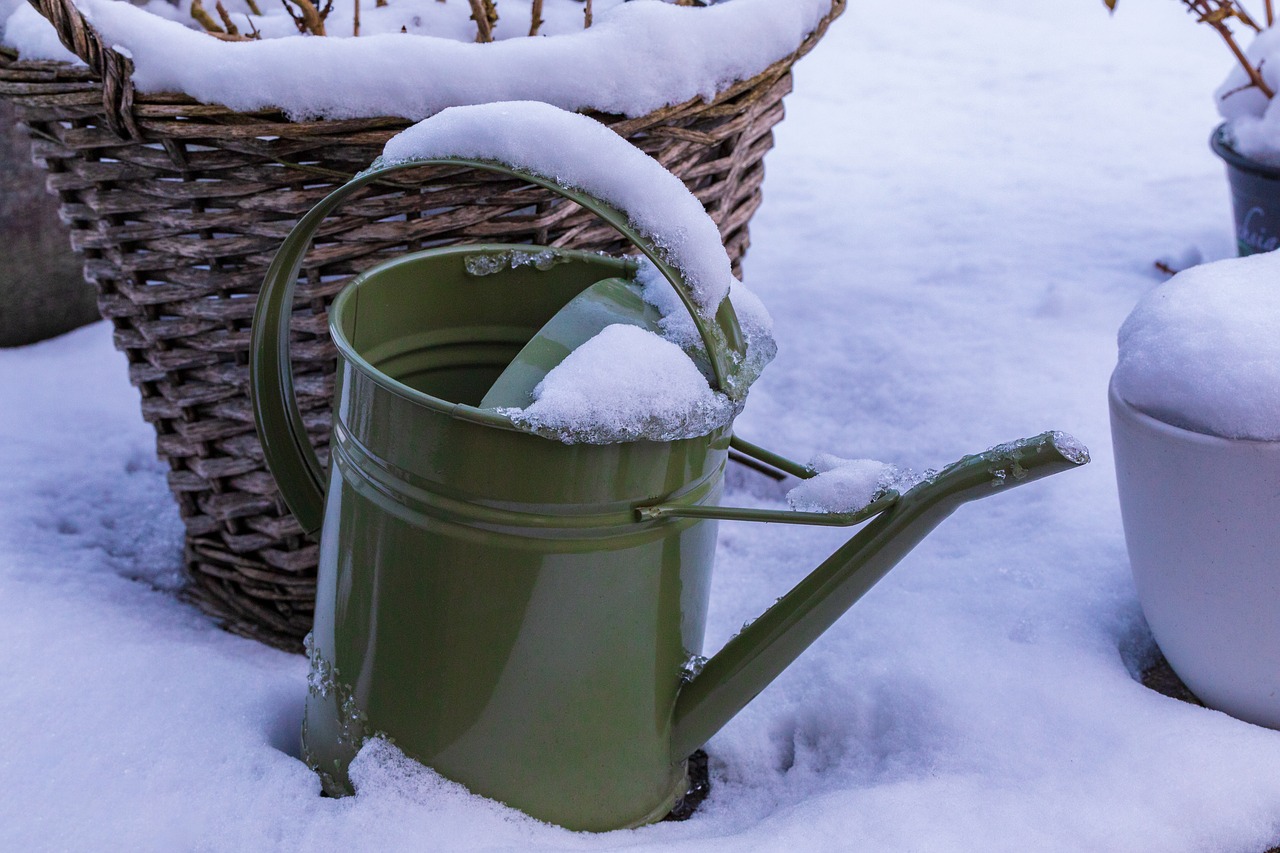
x=178, y=208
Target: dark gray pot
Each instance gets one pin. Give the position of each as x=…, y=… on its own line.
x=1255, y=197
x=42, y=287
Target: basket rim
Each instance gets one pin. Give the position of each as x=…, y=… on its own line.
x=135, y=114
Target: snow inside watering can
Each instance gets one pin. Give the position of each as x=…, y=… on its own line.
x=515, y=556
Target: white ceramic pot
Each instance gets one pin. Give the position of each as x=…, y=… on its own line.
x=1202, y=522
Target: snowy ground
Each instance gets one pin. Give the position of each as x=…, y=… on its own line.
x=965, y=202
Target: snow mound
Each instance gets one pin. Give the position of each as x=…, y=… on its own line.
x=1202, y=351
x=624, y=384
x=841, y=485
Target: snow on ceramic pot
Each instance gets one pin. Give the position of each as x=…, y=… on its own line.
x=1195, y=424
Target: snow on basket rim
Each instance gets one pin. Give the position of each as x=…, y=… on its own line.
x=580, y=153
x=637, y=57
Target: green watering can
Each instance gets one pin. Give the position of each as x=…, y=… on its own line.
x=522, y=615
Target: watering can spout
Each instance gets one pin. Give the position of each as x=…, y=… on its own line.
x=757, y=655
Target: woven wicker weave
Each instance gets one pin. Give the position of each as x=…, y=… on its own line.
x=178, y=208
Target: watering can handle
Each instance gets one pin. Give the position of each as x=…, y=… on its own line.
x=285, y=442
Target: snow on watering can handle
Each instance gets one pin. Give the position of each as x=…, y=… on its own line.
x=285, y=443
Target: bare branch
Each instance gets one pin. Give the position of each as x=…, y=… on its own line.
x=537, y=18
x=232, y=29
x=1216, y=13
x=231, y=33
x=253, y=36
x=308, y=19
x=204, y=18
x=1246, y=87
x=586, y=15
x=484, y=29
x=355, y=19
x=1245, y=18
x=1255, y=74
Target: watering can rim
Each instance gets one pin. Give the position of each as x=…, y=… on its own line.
x=483, y=416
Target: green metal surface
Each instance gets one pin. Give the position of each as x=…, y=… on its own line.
x=771, y=459
x=729, y=513
x=756, y=656
x=520, y=614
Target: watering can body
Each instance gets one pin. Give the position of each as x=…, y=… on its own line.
x=486, y=598
x=523, y=615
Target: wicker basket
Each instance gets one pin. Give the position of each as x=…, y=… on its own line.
x=178, y=208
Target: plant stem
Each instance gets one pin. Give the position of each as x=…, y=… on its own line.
x=232, y=29
x=484, y=31
x=537, y=18
x=1255, y=76
x=1214, y=13
x=253, y=7
x=1244, y=16
x=1270, y=13
x=204, y=18
x=355, y=19
x=308, y=19
x=586, y=15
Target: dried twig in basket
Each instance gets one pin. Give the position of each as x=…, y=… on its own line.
x=230, y=33
x=308, y=18
x=203, y=18
x=536, y=15
x=232, y=29
x=485, y=14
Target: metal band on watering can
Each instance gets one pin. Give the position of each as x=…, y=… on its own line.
x=284, y=436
